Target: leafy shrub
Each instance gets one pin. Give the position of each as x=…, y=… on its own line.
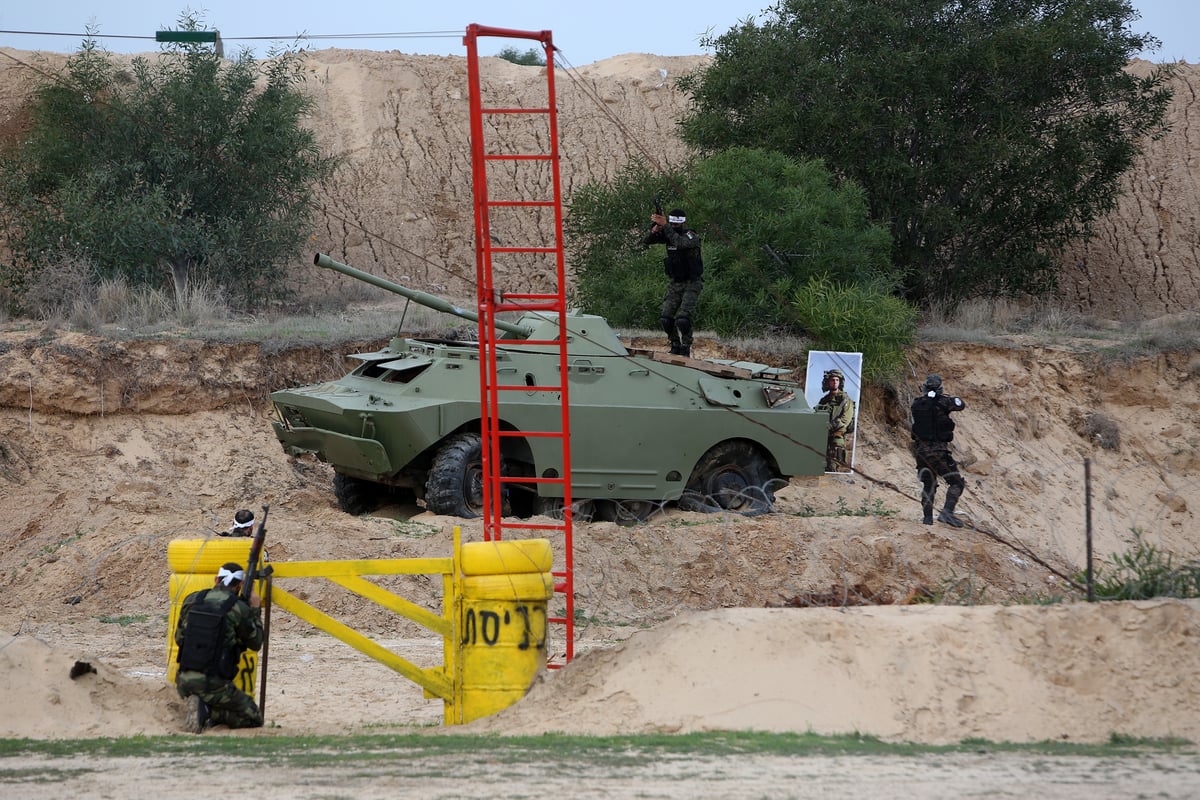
x=1144, y=571
x=860, y=318
x=530, y=58
x=768, y=224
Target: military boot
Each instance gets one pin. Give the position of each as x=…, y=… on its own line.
x=928, y=515
x=197, y=715
x=946, y=515
x=684, y=350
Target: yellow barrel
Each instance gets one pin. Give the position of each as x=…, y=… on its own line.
x=506, y=557
x=194, y=564
x=503, y=626
x=206, y=556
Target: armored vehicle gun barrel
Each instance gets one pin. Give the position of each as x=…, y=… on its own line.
x=423, y=298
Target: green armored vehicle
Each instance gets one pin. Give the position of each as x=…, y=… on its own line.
x=646, y=428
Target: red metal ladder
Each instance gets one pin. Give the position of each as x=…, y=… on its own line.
x=492, y=153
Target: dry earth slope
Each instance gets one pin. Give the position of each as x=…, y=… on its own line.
x=401, y=206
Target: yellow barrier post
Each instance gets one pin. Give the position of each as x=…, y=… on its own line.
x=506, y=586
x=194, y=564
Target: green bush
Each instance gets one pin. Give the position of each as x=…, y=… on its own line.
x=862, y=318
x=768, y=223
x=530, y=58
x=1144, y=571
x=186, y=168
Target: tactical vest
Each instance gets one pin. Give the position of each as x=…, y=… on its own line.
x=204, y=648
x=931, y=422
x=683, y=265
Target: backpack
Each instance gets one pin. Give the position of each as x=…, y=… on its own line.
x=203, y=648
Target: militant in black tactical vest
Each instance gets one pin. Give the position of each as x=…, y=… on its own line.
x=215, y=627
x=932, y=433
x=206, y=645
x=684, y=266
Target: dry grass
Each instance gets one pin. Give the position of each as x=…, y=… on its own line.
x=70, y=296
x=991, y=321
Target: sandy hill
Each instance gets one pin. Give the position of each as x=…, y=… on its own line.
x=401, y=206
x=111, y=448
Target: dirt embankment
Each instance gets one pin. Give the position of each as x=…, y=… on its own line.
x=109, y=450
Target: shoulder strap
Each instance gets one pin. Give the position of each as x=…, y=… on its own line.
x=228, y=604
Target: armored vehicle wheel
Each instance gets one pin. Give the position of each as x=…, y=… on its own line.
x=356, y=496
x=733, y=476
x=625, y=512
x=552, y=507
x=455, y=483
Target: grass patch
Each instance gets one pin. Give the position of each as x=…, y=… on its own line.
x=987, y=321
x=1144, y=571
x=1179, y=333
x=35, y=775
x=50, y=549
x=954, y=590
x=568, y=750
x=583, y=617
x=874, y=508
x=125, y=619
x=410, y=529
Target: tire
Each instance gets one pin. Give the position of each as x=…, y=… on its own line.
x=625, y=513
x=553, y=507
x=455, y=484
x=732, y=476
x=355, y=495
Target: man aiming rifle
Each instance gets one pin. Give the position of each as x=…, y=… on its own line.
x=684, y=267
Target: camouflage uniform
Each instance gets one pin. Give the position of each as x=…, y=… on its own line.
x=932, y=432
x=684, y=267
x=243, y=630
x=840, y=407
x=678, y=310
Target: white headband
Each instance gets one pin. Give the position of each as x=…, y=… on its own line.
x=229, y=578
x=674, y=220
x=247, y=524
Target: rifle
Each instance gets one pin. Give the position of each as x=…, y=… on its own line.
x=256, y=548
x=658, y=209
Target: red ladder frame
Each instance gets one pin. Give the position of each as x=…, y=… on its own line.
x=490, y=303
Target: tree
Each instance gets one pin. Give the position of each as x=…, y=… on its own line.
x=986, y=133
x=184, y=167
x=530, y=58
x=768, y=224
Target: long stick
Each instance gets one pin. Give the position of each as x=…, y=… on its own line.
x=266, y=647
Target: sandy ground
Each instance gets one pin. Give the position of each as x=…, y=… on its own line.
x=1023, y=673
